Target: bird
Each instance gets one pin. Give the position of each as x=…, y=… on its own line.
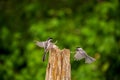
x=81, y=54
x=46, y=45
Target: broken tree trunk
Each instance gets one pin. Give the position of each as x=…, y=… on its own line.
x=58, y=67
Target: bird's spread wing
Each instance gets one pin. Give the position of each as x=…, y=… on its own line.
x=40, y=44
x=89, y=59
x=79, y=55
x=82, y=52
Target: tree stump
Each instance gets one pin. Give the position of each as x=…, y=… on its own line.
x=58, y=67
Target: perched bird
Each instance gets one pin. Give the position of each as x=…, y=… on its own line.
x=46, y=45
x=80, y=54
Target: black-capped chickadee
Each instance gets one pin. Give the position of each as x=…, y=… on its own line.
x=46, y=45
x=80, y=54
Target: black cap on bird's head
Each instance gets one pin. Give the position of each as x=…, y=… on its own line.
x=50, y=38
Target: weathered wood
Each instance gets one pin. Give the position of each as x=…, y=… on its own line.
x=58, y=67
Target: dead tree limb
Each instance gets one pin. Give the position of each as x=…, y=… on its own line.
x=58, y=67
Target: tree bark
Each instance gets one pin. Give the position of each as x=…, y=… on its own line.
x=58, y=67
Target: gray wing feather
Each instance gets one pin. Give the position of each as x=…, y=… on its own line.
x=40, y=44
x=89, y=59
x=78, y=56
x=83, y=52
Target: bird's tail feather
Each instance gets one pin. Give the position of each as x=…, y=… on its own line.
x=44, y=56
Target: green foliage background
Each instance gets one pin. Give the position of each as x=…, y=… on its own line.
x=93, y=25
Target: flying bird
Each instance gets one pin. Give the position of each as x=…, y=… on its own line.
x=80, y=54
x=46, y=45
